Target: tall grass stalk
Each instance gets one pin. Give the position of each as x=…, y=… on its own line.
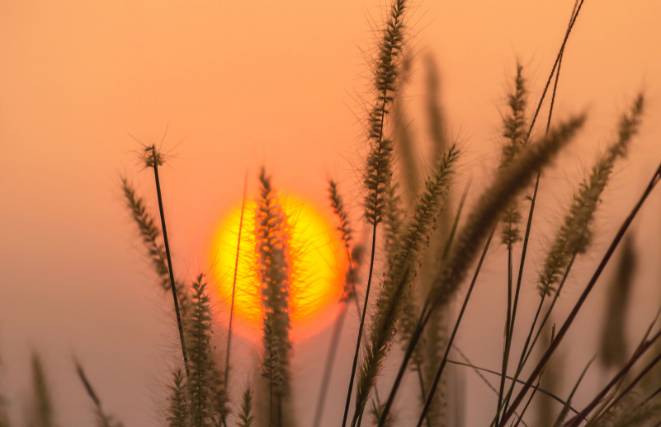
x=574, y=235
x=555, y=77
x=479, y=225
x=437, y=334
x=272, y=238
x=228, y=346
x=154, y=159
x=583, y=297
x=402, y=266
x=378, y=172
x=514, y=124
x=354, y=259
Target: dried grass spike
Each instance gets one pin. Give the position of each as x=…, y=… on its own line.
x=575, y=234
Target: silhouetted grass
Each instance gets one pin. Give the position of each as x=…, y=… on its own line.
x=423, y=251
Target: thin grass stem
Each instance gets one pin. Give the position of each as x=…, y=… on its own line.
x=228, y=347
x=363, y=314
x=328, y=366
x=453, y=334
x=584, y=295
x=155, y=161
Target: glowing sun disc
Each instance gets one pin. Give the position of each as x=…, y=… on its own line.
x=318, y=266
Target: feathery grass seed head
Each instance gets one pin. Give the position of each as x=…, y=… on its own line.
x=507, y=184
x=575, y=233
x=515, y=133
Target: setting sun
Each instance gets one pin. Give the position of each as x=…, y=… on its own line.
x=317, y=259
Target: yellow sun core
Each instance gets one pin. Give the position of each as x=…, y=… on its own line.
x=316, y=262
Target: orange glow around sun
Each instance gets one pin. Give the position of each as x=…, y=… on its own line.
x=316, y=256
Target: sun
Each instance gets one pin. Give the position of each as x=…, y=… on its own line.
x=318, y=266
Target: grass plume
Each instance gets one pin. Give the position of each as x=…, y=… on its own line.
x=656, y=176
x=178, y=408
x=273, y=271
x=515, y=134
x=378, y=172
x=575, y=234
x=343, y=226
x=401, y=270
x=202, y=382
x=482, y=219
x=613, y=343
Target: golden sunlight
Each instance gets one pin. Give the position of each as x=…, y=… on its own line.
x=316, y=256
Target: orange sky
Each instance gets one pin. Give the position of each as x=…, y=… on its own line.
x=244, y=84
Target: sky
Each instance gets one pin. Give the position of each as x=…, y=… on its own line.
x=232, y=86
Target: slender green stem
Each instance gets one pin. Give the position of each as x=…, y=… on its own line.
x=166, y=242
x=354, y=365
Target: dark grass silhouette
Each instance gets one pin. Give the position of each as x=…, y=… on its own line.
x=431, y=250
